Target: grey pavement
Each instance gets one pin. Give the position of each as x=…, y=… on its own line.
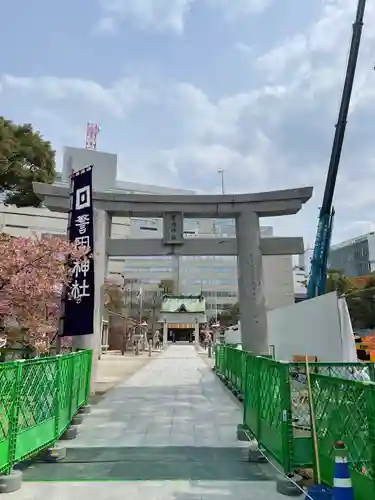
x=149, y=490
x=167, y=432
x=173, y=401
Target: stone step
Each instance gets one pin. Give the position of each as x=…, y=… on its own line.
x=150, y=463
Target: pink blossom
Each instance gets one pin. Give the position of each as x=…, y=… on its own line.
x=32, y=270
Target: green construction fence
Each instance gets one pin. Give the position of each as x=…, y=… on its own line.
x=345, y=410
x=38, y=399
x=277, y=411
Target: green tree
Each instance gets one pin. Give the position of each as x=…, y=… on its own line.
x=360, y=298
x=336, y=280
x=361, y=304
x=229, y=316
x=25, y=157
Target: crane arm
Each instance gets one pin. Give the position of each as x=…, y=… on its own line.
x=318, y=271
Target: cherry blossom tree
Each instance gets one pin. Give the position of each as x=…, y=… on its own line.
x=33, y=272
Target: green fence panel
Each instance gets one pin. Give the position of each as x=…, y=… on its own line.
x=82, y=385
x=244, y=355
x=76, y=372
x=277, y=410
x=220, y=358
x=274, y=400
x=298, y=379
x=38, y=397
x=218, y=352
x=234, y=367
x=302, y=444
x=229, y=364
x=88, y=370
x=36, y=411
x=81, y=371
x=64, y=392
x=251, y=395
x=226, y=363
x=267, y=406
x=237, y=368
x=8, y=393
x=223, y=361
x=345, y=410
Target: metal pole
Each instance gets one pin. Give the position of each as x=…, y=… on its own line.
x=221, y=172
x=216, y=306
x=126, y=287
x=153, y=323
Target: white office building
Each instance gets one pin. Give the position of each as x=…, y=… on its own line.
x=215, y=277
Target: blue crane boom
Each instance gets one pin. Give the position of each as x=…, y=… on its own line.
x=319, y=261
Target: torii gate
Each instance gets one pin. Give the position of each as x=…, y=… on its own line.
x=248, y=246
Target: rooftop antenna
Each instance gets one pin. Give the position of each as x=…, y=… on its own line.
x=92, y=131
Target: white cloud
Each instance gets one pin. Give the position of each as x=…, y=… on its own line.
x=202, y=162
x=210, y=128
x=315, y=59
x=214, y=121
x=310, y=65
x=157, y=14
x=235, y=8
x=117, y=99
x=277, y=135
x=295, y=114
x=168, y=15
x=244, y=48
x=106, y=26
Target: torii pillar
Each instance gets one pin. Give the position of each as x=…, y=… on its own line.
x=250, y=283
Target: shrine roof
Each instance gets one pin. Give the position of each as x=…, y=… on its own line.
x=188, y=304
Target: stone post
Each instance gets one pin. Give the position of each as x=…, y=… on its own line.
x=196, y=332
x=165, y=333
x=250, y=287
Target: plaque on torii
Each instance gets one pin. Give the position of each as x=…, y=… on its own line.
x=173, y=228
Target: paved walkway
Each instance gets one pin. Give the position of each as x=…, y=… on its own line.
x=168, y=432
x=113, y=368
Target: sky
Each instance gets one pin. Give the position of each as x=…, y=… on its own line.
x=184, y=88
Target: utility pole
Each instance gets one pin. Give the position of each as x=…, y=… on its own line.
x=221, y=173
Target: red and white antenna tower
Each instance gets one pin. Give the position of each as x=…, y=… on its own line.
x=92, y=131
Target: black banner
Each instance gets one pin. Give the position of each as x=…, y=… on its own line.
x=78, y=318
